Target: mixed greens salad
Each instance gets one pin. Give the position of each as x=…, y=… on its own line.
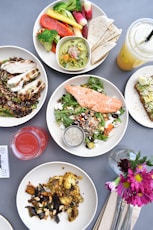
x=96, y=125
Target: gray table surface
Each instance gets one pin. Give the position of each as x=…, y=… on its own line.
x=16, y=26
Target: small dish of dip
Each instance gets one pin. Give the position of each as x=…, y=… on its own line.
x=73, y=136
x=73, y=53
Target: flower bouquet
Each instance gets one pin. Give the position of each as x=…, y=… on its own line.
x=135, y=182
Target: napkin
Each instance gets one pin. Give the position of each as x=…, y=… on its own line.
x=108, y=211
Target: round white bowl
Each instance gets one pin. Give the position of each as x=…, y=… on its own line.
x=102, y=146
x=49, y=57
x=7, y=52
x=50, y=169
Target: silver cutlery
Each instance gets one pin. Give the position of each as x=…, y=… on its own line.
x=121, y=210
x=118, y=212
x=126, y=225
x=118, y=216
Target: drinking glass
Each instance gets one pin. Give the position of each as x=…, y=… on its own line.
x=29, y=142
x=138, y=46
x=120, y=152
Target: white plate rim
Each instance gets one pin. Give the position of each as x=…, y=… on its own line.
x=63, y=166
x=11, y=121
x=6, y=222
x=82, y=151
x=49, y=58
x=134, y=106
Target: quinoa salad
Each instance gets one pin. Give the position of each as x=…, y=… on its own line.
x=96, y=125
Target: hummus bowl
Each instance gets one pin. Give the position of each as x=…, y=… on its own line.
x=73, y=53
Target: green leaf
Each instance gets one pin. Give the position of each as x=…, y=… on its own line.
x=6, y=113
x=138, y=156
x=141, y=161
x=68, y=100
x=96, y=84
x=149, y=163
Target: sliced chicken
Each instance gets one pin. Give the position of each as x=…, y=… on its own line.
x=15, y=67
x=31, y=89
x=16, y=83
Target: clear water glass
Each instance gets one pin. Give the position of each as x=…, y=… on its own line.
x=120, y=152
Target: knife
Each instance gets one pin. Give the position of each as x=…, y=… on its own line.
x=117, y=212
x=127, y=221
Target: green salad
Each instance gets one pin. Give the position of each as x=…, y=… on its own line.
x=96, y=125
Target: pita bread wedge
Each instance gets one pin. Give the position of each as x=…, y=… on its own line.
x=101, y=51
x=115, y=33
x=111, y=34
x=97, y=28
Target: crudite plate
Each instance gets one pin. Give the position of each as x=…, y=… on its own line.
x=49, y=57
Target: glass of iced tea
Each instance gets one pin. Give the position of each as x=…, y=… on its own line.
x=29, y=142
x=138, y=46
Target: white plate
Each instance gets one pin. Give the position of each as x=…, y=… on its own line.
x=4, y=224
x=49, y=57
x=134, y=105
x=14, y=51
x=102, y=146
x=41, y=174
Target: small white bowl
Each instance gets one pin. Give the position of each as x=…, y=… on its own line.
x=73, y=53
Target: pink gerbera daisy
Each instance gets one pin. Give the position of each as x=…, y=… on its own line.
x=139, y=179
x=140, y=198
x=135, y=184
x=134, y=197
x=124, y=188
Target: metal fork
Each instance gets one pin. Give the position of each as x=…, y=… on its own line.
x=118, y=212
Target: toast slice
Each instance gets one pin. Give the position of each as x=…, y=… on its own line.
x=144, y=88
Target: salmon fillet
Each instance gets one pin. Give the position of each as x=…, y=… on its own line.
x=94, y=100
